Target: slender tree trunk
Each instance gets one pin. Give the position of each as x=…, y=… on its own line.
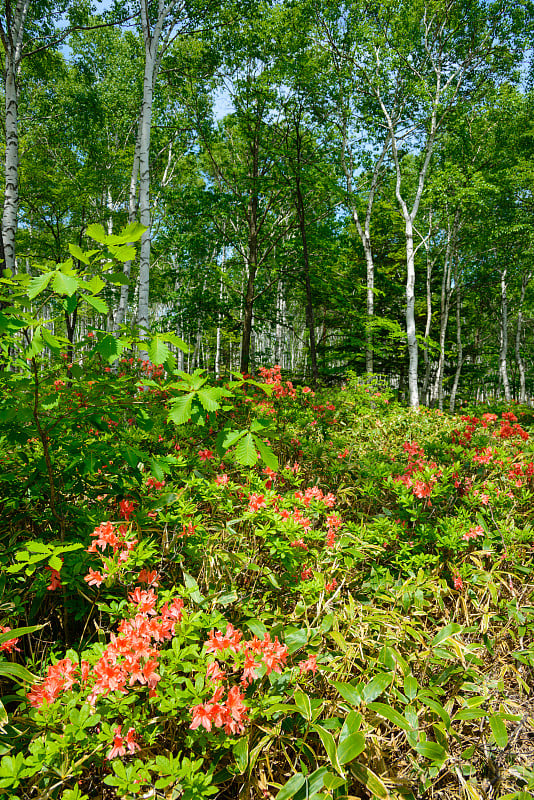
x=519, y=359
x=503, y=353
x=252, y=260
x=12, y=37
x=426, y=383
x=310, y=320
x=459, y=346
x=445, y=307
x=411, y=336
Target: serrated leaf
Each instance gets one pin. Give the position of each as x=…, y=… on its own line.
x=180, y=411
x=209, y=398
x=267, y=454
x=351, y=747
x=391, y=714
x=245, y=451
x=158, y=351
x=49, y=339
x=54, y=562
x=65, y=284
x=97, y=232
x=109, y=348
x=39, y=284
x=122, y=252
x=498, y=729
x=131, y=233
x=95, y=285
x=79, y=254
x=227, y=438
x=97, y=303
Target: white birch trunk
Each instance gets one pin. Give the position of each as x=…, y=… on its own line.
x=518, y=357
x=503, y=353
x=12, y=37
x=459, y=346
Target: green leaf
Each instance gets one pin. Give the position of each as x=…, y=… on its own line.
x=209, y=398
x=245, y=451
x=267, y=454
x=39, y=284
x=16, y=672
x=437, y=708
x=228, y=437
x=370, y=780
x=445, y=632
x=180, y=411
x=303, y=704
x=391, y=714
x=78, y=253
x=109, y=348
x=97, y=233
x=50, y=339
x=376, y=686
x=97, y=303
x=65, y=284
x=288, y=791
x=329, y=745
x=431, y=750
x=131, y=233
x=352, y=694
x=351, y=725
x=498, y=729
x=123, y=252
x=351, y=747
x=157, y=350
x=240, y=750
x=410, y=686
x=118, y=279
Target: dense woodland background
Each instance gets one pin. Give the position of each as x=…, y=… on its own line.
x=325, y=185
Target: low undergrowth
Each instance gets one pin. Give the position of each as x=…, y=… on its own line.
x=257, y=590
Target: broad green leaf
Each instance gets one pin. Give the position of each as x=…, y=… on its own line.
x=267, y=454
x=95, y=285
x=54, y=562
x=49, y=339
x=209, y=398
x=39, y=284
x=303, y=704
x=351, y=725
x=288, y=791
x=122, y=252
x=16, y=672
x=179, y=343
x=97, y=232
x=97, y=303
x=79, y=254
x=17, y=632
x=410, y=686
x=376, y=686
x=391, y=714
x=158, y=351
x=109, y=348
x=227, y=438
x=431, y=750
x=180, y=411
x=370, y=780
x=352, y=694
x=437, y=708
x=498, y=728
x=329, y=745
x=245, y=451
x=313, y=785
x=444, y=633
x=240, y=750
x=131, y=233
x=65, y=284
x=351, y=747
x=118, y=278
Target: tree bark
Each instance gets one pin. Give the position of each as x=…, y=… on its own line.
x=503, y=352
x=459, y=346
x=518, y=357
x=12, y=37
